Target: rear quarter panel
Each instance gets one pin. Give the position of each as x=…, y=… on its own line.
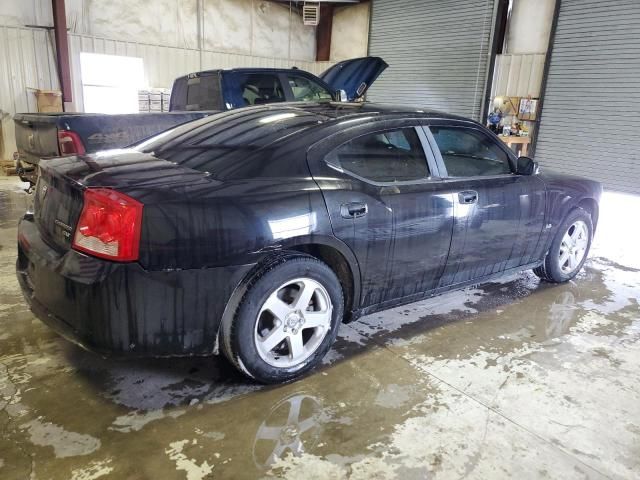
x=230, y=223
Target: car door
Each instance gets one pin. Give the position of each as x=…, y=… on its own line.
x=385, y=202
x=499, y=215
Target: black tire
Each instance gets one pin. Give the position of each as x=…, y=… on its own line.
x=237, y=338
x=550, y=270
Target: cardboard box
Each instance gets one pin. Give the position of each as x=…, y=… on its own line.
x=49, y=100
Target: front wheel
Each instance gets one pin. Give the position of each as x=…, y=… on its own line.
x=286, y=321
x=569, y=249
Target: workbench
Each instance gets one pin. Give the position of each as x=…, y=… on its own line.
x=514, y=140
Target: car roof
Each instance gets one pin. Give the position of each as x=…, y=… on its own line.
x=328, y=113
x=264, y=137
x=247, y=70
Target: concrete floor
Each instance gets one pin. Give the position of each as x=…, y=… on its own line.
x=510, y=379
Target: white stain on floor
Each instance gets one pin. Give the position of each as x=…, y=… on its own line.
x=94, y=470
x=137, y=420
x=64, y=442
x=396, y=318
x=193, y=470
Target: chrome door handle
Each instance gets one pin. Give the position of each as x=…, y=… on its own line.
x=353, y=210
x=468, y=197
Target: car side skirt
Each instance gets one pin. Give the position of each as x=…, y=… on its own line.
x=432, y=293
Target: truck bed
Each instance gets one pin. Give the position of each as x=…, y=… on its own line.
x=37, y=133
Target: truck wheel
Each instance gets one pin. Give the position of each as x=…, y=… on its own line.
x=286, y=321
x=569, y=249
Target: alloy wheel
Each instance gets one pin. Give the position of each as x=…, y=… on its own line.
x=573, y=247
x=293, y=322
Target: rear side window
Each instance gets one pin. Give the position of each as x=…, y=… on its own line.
x=179, y=94
x=391, y=156
x=198, y=93
x=306, y=90
x=261, y=88
x=468, y=152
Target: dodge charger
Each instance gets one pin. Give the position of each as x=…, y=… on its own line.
x=256, y=232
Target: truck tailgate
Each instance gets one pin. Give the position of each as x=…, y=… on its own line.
x=36, y=136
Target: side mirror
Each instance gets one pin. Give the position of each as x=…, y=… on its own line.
x=526, y=166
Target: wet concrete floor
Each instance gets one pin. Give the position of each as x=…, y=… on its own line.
x=509, y=379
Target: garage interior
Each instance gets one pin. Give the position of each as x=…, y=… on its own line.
x=515, y=378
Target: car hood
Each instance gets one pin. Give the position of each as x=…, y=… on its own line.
x=354, y=76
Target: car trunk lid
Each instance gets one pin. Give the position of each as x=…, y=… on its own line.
x=57, y=205
x=58, y=197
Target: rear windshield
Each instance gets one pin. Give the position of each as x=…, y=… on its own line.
x=224, y=144
x=199, y=93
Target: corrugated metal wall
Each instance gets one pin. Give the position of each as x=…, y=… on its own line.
x=27, y=62
x=163, y=64
x=437, y=51
x=518, y=75
x=589, y=124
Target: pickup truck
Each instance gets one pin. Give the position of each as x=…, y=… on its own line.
x=193, y=96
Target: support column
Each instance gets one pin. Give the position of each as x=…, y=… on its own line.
x=323, y=33
x=62, y=49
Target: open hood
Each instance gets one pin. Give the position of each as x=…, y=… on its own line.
x=354, y=76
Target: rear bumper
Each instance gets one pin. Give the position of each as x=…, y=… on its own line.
x=121, y=308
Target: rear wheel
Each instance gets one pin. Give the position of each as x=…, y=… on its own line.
x=287, y=320
x=569, y=249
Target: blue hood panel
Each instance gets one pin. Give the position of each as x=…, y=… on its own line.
x=354, y=76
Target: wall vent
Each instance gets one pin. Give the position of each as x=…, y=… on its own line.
x=311, y=13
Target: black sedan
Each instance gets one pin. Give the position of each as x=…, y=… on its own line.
x=258, y=231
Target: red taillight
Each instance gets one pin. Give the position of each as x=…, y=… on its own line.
x=70, y=143
x=109, y=225
x=22, y=240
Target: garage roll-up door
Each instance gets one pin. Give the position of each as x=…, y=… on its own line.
x=590, y=122
x=437, y=51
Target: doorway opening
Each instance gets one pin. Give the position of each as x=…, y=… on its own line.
x=110, y=83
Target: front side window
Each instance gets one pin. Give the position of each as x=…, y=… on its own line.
x=261, y=88
x=468, y=152
x=306, y=90
x=391, y=156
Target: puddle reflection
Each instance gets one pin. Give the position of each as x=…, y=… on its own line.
x=293, y=425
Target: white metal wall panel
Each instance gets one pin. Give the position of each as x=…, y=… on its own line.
x=27, y=62
x=163, y=64
x=437, y=51
x=590, y=123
